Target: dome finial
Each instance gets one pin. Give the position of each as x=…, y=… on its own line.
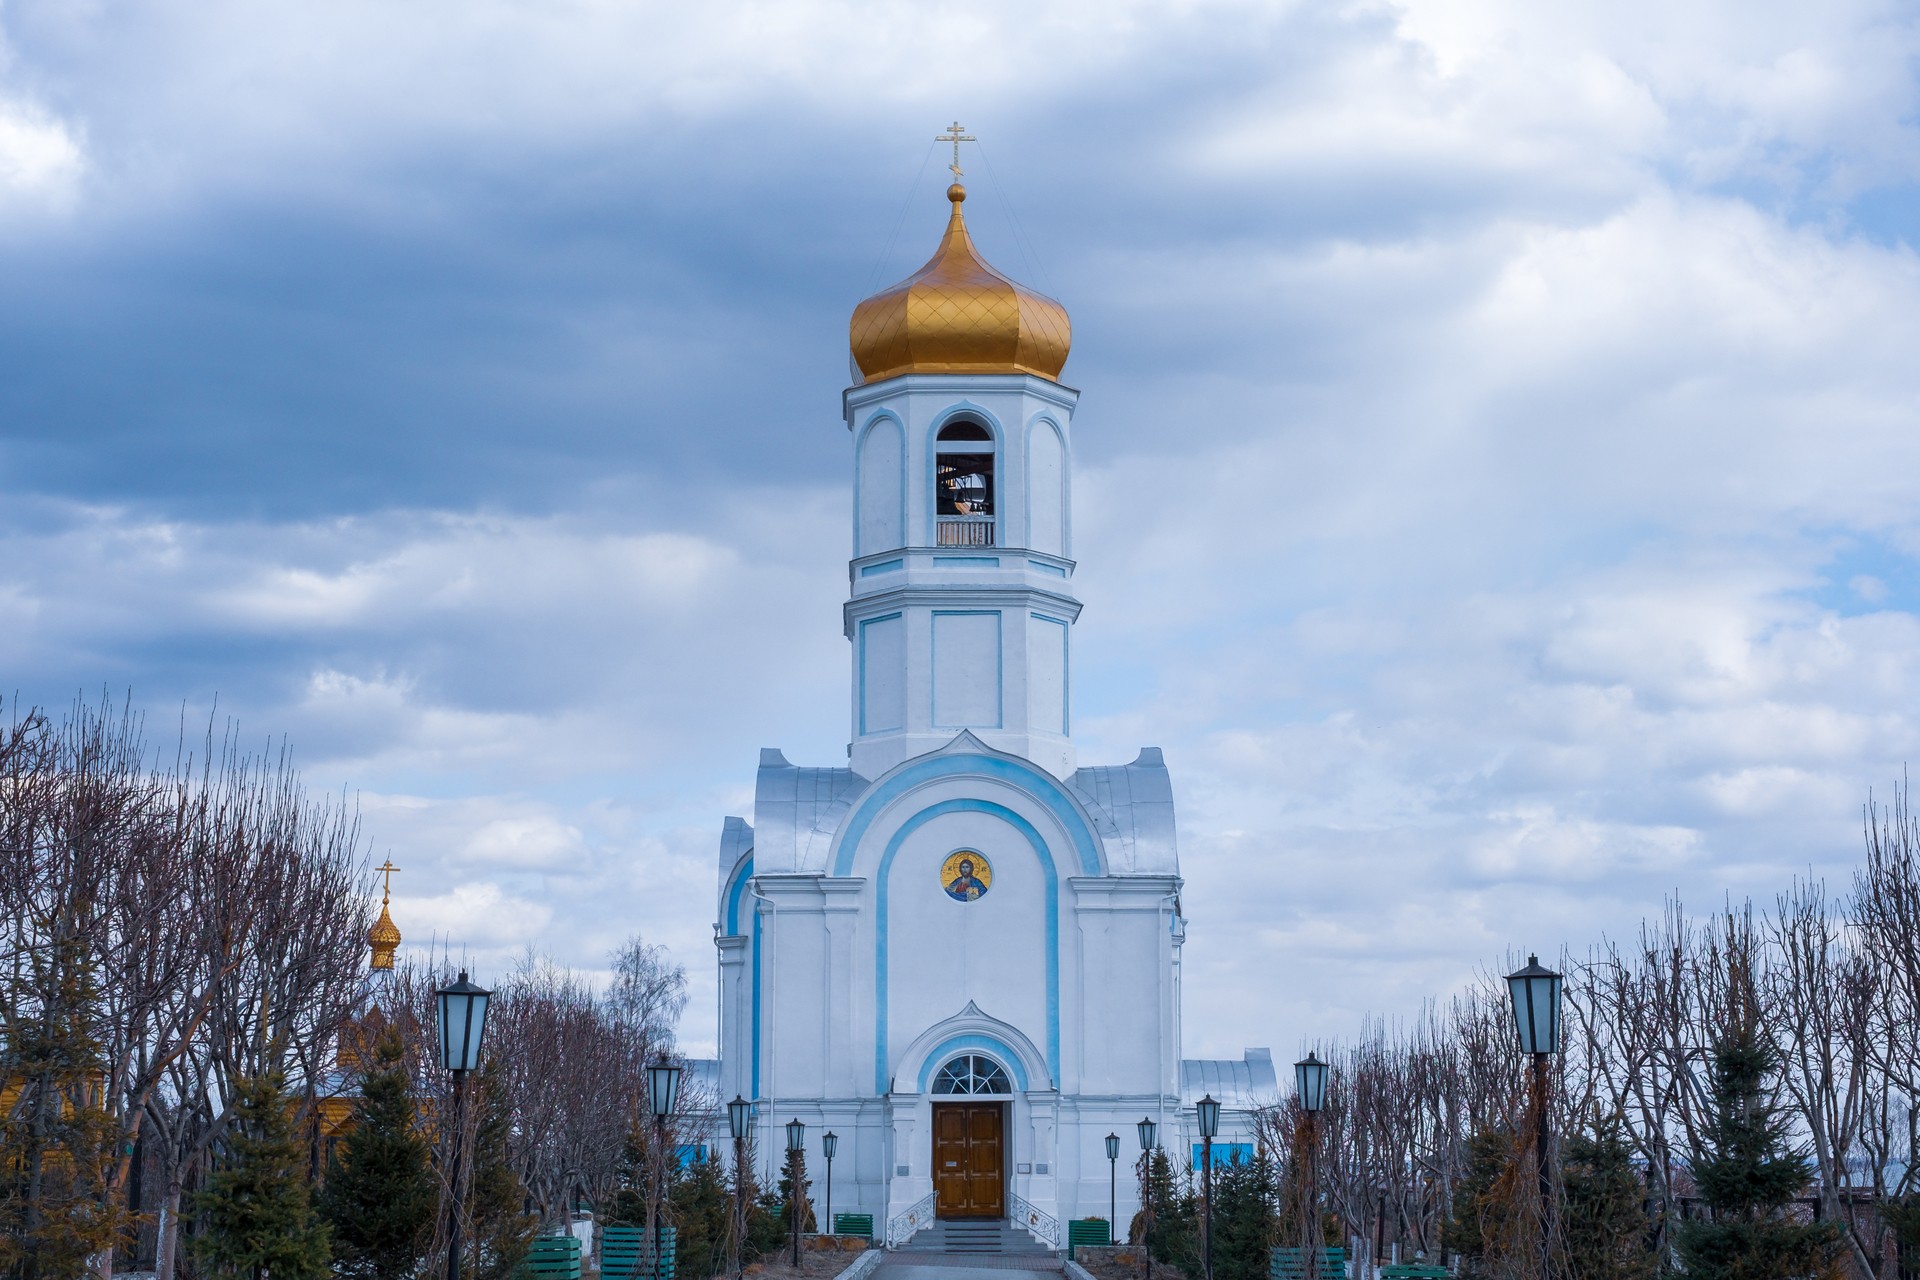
x=384, y=937
x=956, y=136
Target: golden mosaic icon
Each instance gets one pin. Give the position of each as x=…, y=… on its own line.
x=966, y=875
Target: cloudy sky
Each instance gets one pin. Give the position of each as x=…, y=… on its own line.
x=1499, y=458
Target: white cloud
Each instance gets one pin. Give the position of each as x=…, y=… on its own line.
x=1460, y=533
x=41, y=159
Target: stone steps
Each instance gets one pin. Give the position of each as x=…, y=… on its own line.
x=974, y=1235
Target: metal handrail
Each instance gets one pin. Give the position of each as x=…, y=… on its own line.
x=1044, y=1227
x=902, y=1226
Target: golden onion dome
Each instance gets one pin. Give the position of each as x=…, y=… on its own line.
x=959, y=315
x=384, y=938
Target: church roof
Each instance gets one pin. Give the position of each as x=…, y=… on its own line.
x=797, y=809
x=1240, y=1084
x=1132, y=806
x=958, y=315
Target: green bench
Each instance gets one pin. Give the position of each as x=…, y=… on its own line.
x=551, y=1258
x=853, y=1224
x=627, y=1254
x=1291, y=1264
x=1089, y=1231
x=1414, y=1271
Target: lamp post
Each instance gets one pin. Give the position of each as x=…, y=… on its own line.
x=463, y=1020
x=1113, y=1186
x=1310, y=1081
x=829, y=1144
x=739, y=1117
x=1208, y=1112
x=1146, y=1128
x=663, y=1093
x=1536, y=1017
x=796, y=1179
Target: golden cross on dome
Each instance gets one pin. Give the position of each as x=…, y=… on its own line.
x=387, y=868
x=956, y=137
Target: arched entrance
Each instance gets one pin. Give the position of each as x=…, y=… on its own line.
x=970, y=1096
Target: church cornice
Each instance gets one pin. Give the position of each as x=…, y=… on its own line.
x=943, y=596
x=853, y=399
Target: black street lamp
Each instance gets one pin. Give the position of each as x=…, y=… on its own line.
x=739, y=1118
x=1146, y=1129
x=1208, y=1112
x=463, y=1020
x=829, y=1143
x=663, y=1093
x=796, y=1179
x=1536, y=1016
x=1310, y=1081
x=1113, y=1186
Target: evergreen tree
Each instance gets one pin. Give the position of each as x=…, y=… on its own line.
x=1176, y=1230
x=57, y=1138
x=1244, y=1218
x=380, y=1194
x=632, y=1180
x=1604, y=1232
x=1748, y=1173
x=503, y=1230
x=1481, y=1226
x=700, y=1207
x=1903, y=1218
x=786, y=1200
x=259, y=1218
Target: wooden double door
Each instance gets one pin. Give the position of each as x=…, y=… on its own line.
x=969, y=1171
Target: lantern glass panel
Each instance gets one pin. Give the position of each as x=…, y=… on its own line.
x=1209, y=1113
x=1113, y=1146
x=463, y=1018
x=663, y=1087
x=739, y=1116
x=1535, y=991
x=796, y=1135
x=830, y=1144
x=1146, y=1127
x=1310, y=1078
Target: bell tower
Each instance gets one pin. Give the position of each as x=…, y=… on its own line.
x=962, y=604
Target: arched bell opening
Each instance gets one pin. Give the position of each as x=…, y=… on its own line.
x=964, y=492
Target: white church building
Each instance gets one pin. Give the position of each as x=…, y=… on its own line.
x=959, y=951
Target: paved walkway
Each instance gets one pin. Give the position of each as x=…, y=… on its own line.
x=963, y=1266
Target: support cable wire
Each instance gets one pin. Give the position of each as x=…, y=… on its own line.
x=880, y=263
x=1035, y=269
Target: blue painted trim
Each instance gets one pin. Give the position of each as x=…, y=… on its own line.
x=1066, y=476
x=736, y=887
x=756, y=1002
x=1066, y=675
x=859, y=476
x=1041, y=565
x=1030, y=778
x=888, y=566
x=1039, y=846
x=865, y=728
x=1001, y=1051
x=976, y=561
x=999, y=669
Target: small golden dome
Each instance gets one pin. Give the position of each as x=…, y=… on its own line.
x=384, y=938
x=959, y=315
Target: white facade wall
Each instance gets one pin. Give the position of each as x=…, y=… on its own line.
x=848, y=974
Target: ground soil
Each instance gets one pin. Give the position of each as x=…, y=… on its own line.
x=815, y=1264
